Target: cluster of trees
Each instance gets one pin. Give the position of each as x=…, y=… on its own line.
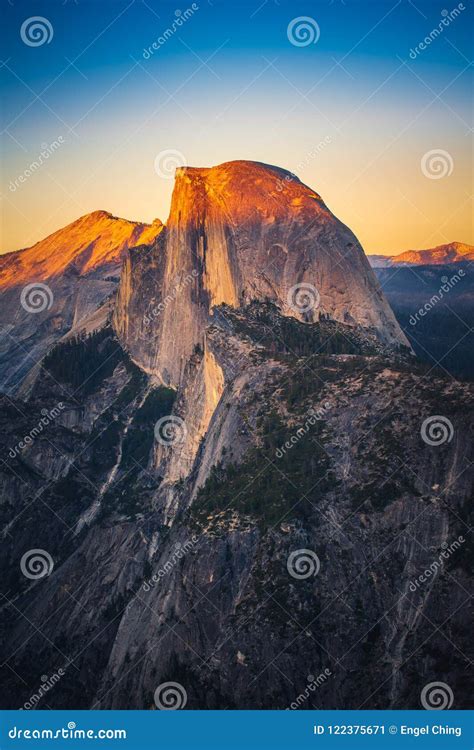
x=84, y=361
x=267, y=485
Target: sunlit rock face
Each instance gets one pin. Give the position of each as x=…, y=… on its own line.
x=239, y=232
x=452, y=252
x=69, y=275
x=94, y=241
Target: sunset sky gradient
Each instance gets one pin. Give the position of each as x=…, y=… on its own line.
x=230, y=85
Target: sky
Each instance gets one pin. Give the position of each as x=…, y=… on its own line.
x=347, y=99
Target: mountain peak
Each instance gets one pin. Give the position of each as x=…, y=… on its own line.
x=245, y=167
x=247, y=188
x=240, y=232
x=451, y=252
x=92, y=241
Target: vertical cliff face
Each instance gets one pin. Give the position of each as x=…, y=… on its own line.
x=51, y=287
x=291, y=428
x=240, y=232
x=202, y=389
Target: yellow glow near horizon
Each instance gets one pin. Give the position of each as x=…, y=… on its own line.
x=363, y=159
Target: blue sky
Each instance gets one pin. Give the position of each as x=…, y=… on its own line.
x=229, y=84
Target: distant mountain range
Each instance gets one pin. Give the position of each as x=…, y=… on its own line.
x=223, y=468
x=453, y=252
x=81, y=265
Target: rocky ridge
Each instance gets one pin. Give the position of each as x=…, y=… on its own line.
x=293, y=431
x=452, y=252
x=51, y=287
